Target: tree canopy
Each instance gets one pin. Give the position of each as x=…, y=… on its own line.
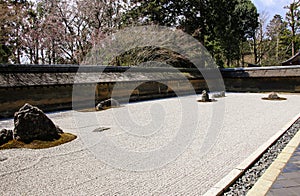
x=64, y=31
x=220, y=25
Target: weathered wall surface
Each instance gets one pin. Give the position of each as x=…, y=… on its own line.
x=280, y=79
x=49, y=98
x=50, y=88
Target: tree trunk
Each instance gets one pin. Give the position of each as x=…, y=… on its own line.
x=293, y=38
x=43, y=57
x=242, y=57
x=277, y=48
x=293, y=47
x=49, y=57
x=18, y=54
x=31, y=56
x=255, y=50
x=36, y=60
x=53, y=53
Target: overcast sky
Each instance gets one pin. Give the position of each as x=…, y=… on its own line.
x=272, y=7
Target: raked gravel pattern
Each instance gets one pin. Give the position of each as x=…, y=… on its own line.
x=250, y=177
x=72, y=169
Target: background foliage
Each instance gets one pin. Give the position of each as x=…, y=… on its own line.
x=64, y=31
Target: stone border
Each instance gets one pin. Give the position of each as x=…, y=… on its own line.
x=238, y=171
x=265, y=182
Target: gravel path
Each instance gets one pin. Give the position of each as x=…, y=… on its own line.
x=72, y=168
x=250, y=177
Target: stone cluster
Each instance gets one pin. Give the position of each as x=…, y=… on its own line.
x=273, y=95
x=107, y=103
x=31, y=124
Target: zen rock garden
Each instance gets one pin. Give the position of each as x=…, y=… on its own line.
x=32, y=125
x=33, y=129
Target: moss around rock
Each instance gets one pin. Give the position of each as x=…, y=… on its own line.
x=108, y=103
x=274, y=97
x=39, y=144
x=205, y=97
x=33, y=129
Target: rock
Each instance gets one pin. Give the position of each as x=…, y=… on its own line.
x=101, y=129
x=219, y=94
x=273, y=95
x=32, y=124
x=204, y=96
x=222, y=93
x=5, y=136
x=107, y=103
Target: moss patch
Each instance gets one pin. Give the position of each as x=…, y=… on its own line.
x=94, y=109
x=38, y=144
x=278, y=99
x=209, y=101
x=88, y=110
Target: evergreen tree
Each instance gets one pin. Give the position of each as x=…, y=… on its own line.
x=275, y=31
x=220, y=25
x=293, y=19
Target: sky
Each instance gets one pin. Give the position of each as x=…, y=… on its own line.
x=272, y=7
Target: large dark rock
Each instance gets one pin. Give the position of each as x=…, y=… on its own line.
x=107, y=103
x=5, y=136
x=32, y=124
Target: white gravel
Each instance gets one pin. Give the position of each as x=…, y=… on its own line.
x=72, y=169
